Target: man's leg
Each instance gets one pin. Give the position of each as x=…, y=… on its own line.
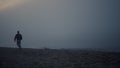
x=19, y=44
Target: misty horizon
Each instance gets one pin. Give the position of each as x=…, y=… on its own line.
x=90, y=24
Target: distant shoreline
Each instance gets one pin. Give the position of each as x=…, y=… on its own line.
x=74, y=49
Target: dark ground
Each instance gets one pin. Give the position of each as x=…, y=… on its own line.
x=57, y=58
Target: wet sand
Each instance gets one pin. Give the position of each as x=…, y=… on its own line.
x=57, y=58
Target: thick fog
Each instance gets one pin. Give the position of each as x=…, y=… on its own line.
x=61, y=23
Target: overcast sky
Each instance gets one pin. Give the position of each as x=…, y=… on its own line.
x=61, y=23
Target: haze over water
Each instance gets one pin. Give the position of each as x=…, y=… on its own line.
x=61, y=23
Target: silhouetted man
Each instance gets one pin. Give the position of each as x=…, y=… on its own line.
x=17, y=39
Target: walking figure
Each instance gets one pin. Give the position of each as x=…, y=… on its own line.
x=17, y=39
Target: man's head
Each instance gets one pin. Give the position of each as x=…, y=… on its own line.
x=18, y=32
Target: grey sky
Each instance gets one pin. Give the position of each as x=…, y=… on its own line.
x=62, y=23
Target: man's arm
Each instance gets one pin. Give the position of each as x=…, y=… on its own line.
x=20, y=36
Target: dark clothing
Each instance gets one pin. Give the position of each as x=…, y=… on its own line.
x=19, y=44
x=18, y=38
